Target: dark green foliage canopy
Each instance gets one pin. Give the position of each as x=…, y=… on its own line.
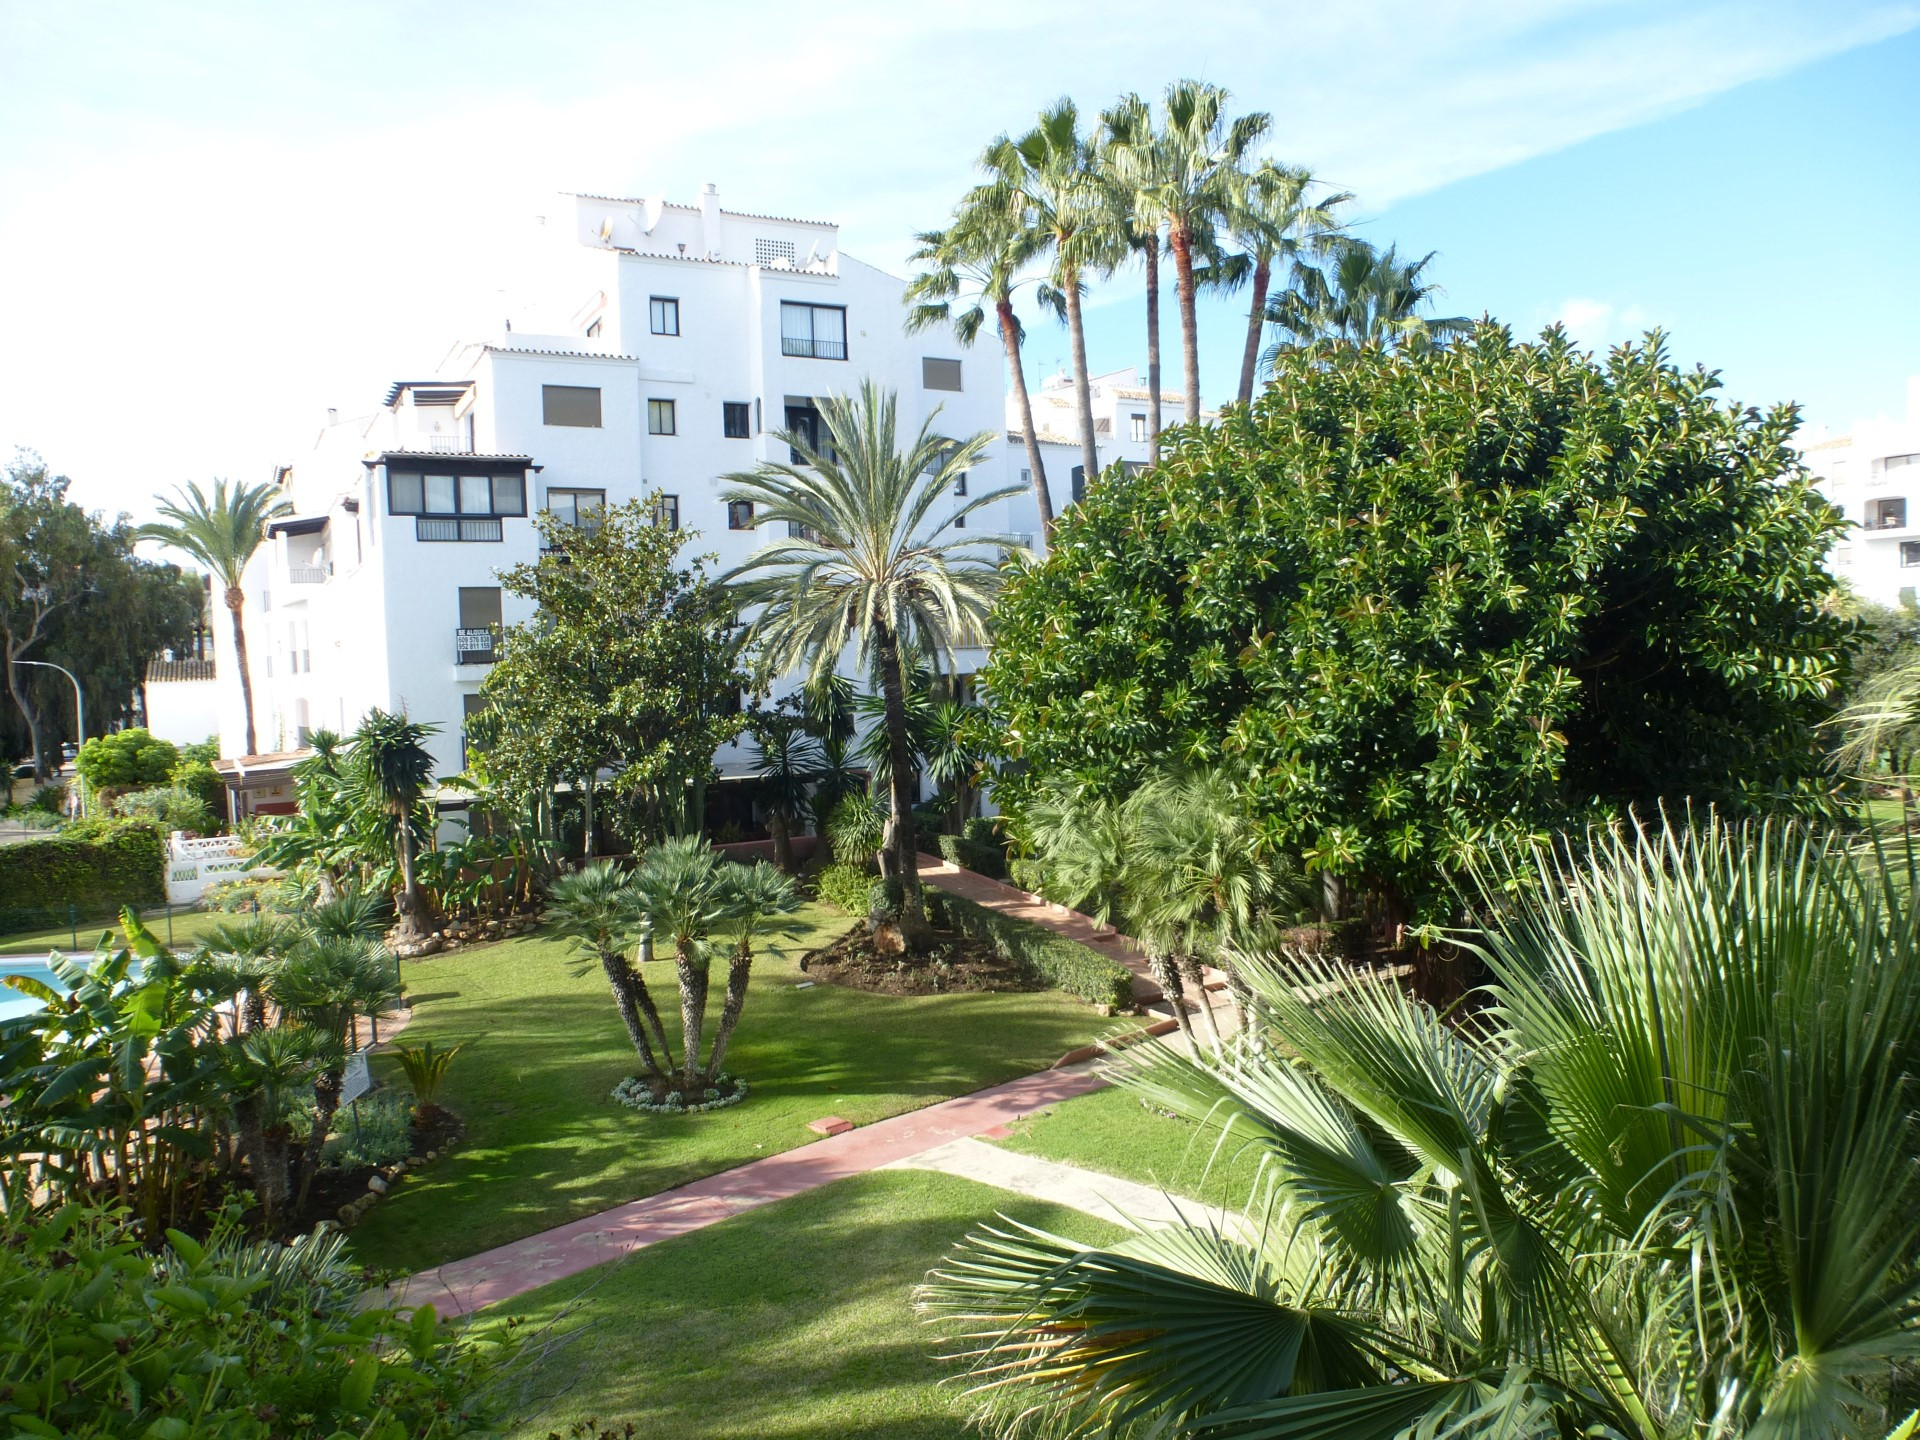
x=1417, y=603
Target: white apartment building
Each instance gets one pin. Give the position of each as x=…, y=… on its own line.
x=693, y=333
x=1873, y=475
x=1121, y=406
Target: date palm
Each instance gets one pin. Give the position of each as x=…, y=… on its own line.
x=870, y=560
x=1044, y=183
x=977, y=263
x=1271, y=220
x=1664, y=1184
x=390, y=767
x=221, y=531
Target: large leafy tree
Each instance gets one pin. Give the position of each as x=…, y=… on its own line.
x=221, y=531
x=976, y=264
x=871, y=559
x=1418, y=603
x=630, y=667
x=1666, y=1184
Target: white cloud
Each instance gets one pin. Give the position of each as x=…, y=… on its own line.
x=212, y=228
x=1598, y=325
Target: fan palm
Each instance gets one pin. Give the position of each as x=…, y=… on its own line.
x=1271, y=219
x=1131, y=157
x=1360, y=295
x=762, y=899
x=977, y=262
x=1190, y=174
x=221, y=531
x=786, y=762
x=596, y=911
x=391, y=766
x=1666, y=1184
x=865, y=562
x=1044, y=184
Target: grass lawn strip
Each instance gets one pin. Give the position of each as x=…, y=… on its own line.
x=1110, y=1131
x=791, y=1321
x=189, y=926
x=546, y=1144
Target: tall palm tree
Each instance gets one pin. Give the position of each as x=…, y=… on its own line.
x=978, y=261
x=1665, y=1183
x=1131, y=156
x=1044, y=183
x=867, y=561
x=1271, y=219
x=392, y=767
x=221, y=532
x=1204, y=153
x=1360, y=295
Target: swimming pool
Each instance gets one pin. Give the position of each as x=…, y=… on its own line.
x=12, y=1003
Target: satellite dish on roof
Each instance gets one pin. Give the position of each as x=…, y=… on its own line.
x=606, y=228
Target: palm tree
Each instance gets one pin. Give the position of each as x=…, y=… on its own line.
x=1361, y=296
x=1131, y=156
x=866, y=561
x=594, y=908
x=762, y=899
x=786, y=761
x=976, y=262
x=1665, y=1183
x=392, y=767
x=956, y=754
x=1201, y=156
x=221, y=532
x=1271, y=220
x=1044, y=184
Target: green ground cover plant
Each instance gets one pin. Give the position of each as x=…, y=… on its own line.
x=546, y=1144
x=759, y=1326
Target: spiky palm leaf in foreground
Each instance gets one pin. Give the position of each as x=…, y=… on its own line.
x=874, y=558
x=1667, y=1184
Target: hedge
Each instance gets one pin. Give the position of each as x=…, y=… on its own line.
x=116, y=865
x=844, y=887
x=1052, y=959
x=987, y=860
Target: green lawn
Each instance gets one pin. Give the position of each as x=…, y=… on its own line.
x=795, y=1320
x=546, y=1145
x=1112, y=1132
x=188, y=927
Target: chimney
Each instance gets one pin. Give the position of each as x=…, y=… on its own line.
x=333, y=416
x=710, y=220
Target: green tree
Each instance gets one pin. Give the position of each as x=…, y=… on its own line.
x=1271, y=219
x=126, y=759
x=631, y=666
x=786, y=762
x=1665, y=1185
x=388, y=770
x=977, y=262
x=867, y=563
x=1419, y=603
x=221, y=531
x=1044, y=184
x=1131, y=158
x=1360, y=295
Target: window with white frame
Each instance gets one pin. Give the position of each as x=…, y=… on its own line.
x=1136, y=427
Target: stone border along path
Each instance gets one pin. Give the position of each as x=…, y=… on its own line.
x=461, y=1287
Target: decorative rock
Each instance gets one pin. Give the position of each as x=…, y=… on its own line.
x=348, y=1213
x=377, y=1184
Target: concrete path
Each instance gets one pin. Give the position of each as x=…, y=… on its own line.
x=1124, y=1202
x=462, y=1286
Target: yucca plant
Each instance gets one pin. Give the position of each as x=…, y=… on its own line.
x=426, y=1067
x=1665, y=1183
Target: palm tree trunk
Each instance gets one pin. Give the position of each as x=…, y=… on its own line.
x=236, y=600
x=1195, y=975
x=782, y=840
x=326, y=1104
x=1010, y=337
x=410, y=919
x=586, y=804
x=738, y=973
x=1168, y=979
x=1151, y=249
x=627, y=1000
x=914, y=931
x=1083, y=393
x=1182, y=244
x=693, y=1013
x=1256, y=322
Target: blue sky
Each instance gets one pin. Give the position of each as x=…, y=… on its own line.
x=218, y=220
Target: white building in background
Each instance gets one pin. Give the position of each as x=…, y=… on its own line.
x=1873, y=475
x=1121, y=406
x=692, y=332
x=181, y=699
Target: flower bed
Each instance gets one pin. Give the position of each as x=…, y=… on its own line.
x=636, y=1094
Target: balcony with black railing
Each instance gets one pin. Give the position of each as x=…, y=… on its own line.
x=457, y=527
x=809, y=349
x=474, y=645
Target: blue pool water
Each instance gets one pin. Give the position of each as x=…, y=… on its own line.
x=12, y=1002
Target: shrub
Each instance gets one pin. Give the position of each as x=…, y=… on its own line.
x=988, y=860
x=278, y=895
x=200, y=778
x=844, y=887
x=885, y=895
x=1051, y=959
x=856, y=829
x=247, y=1340
x=95, y=867
x=171, y=807
x=52, y=798
x=36, y=819
x=382, y=1134
x=982, y=830
x=125, y=759
x=426, y=1069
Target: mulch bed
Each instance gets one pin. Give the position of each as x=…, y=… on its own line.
x=954, y=964
x=334, y=1188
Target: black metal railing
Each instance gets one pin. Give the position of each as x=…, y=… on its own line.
x=813, y=349
x=457, y=527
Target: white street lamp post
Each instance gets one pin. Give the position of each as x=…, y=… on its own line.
x=79, y=714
